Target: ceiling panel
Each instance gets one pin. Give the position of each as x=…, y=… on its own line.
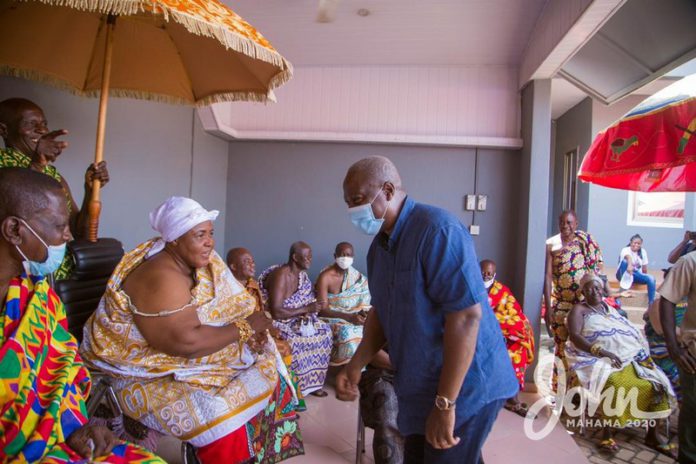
x=396, y=32
x=641, y=42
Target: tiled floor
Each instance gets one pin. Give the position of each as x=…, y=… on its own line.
x=329, y=428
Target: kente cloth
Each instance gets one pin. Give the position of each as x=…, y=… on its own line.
x=569, y=264
x=515, y=326
x=310, y=338
x=353, y=298
x=197, y=400
x=12, y=158
x=43, y=381
x=252, y=286
x=637, y=374
x=659, y=353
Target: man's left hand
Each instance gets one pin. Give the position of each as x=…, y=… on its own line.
x=439, y=429
x=97, y=172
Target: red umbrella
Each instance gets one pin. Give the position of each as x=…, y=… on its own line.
x=650, y=149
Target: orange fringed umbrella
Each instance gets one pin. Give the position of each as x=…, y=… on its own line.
x=194, y=52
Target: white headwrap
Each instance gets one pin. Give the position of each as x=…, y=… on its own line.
x=175, y=217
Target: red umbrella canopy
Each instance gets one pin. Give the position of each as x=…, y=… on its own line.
x=650, y=149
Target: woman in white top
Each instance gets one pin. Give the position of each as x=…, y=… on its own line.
x=634, y=260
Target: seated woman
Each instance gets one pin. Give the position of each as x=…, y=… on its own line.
x=190, y=355
x=634, y=260
x=43, y=382
x=610, y=357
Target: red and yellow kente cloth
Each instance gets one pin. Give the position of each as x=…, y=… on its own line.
x=43, y=382
x=517, y=331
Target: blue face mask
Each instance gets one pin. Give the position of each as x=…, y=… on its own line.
x=364, y=218
x=56, y=253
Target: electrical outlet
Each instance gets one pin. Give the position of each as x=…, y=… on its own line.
x=474, y=229
x=482, y=200
x=470, y=202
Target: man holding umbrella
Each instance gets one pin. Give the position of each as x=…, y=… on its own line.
x=29, y=144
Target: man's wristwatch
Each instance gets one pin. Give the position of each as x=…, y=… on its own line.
x=443, y=404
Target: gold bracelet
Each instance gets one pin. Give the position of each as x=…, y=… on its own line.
x=245, y=330
x=595, y=349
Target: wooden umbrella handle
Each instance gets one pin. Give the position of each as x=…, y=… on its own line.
x=95, y=202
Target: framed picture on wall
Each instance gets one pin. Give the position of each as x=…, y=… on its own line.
x=658, y=209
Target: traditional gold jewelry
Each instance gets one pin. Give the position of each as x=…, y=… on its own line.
x=595, y=349
x=245, y=331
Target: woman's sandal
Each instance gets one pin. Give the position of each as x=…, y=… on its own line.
x=668, y=449
x=608, y=445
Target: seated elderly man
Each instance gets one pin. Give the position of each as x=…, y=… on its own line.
x=344, y=299
x=611, y=360
x=293, y=306
x=43, y=382
x=189, y=354
x=29, y=144
x=243, y=267
x=516, y=329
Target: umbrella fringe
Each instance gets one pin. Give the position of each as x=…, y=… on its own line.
x=242, y=95
x=230, y=39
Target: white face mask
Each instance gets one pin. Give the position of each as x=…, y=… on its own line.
x=488, y=283
x=344, y=262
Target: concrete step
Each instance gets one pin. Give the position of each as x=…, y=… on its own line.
x=635, y=314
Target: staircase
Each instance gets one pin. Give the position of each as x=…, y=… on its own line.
x=635, y=305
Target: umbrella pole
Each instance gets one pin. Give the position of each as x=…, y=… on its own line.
x=95, y=199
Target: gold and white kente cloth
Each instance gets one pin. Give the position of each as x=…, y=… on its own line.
x=197, y=400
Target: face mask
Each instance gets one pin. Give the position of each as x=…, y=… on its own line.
x=344, y=262
x=56, y=253
x=364, y=219
x=488, y=283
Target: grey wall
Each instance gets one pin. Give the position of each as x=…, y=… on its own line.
x=282, y=192
x=150, y=150
x=609, y=207
x=533, y=201
x=573, y=130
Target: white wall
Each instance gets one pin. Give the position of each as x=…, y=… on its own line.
x=359, y=103
x=149, y=150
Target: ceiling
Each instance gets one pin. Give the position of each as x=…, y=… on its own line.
x=396, y=32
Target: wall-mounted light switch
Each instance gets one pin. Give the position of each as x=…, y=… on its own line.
x=482, y=200
x=470, y=202
x=474, y=229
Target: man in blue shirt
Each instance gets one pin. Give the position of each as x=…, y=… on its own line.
x=453, y=373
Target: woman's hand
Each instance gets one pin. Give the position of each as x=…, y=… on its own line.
x=102, y=438
x=615, y=361
x=259, y=322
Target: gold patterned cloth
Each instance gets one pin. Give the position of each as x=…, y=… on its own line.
x=197, y=400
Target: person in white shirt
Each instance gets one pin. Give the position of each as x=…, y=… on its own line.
x=634, y=260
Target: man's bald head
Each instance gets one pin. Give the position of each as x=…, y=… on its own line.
x=235, y=254
x=298, y=248
x=343, y=246
x=11, y=113
x=375, y=170
x=25, y=192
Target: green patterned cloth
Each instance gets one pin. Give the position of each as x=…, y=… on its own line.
x=12, y=158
